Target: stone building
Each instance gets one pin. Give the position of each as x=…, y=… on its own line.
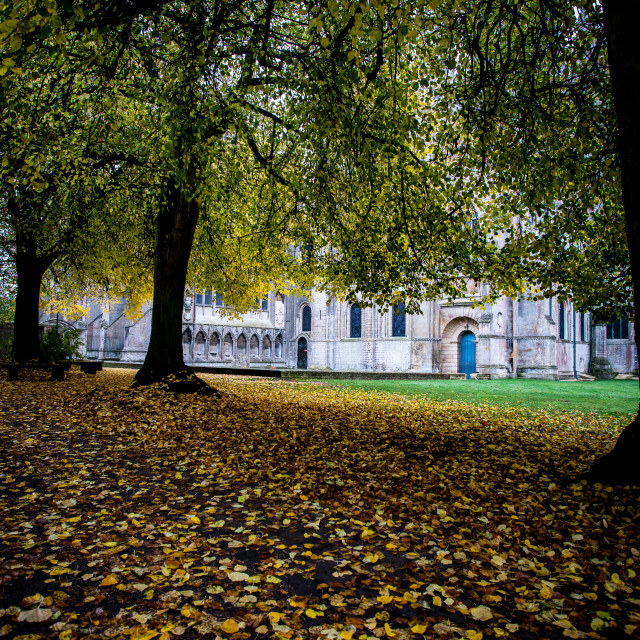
x=543, y=339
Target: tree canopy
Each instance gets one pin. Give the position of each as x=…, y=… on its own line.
x=405, y=146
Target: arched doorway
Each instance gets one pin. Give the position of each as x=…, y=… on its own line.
x=302, y=353
x=467, y=360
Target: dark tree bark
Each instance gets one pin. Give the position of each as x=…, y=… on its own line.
x=175, y=228
x=26, y=338
x=31, y=265
x=621, y=17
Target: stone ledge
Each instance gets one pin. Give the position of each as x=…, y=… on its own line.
x=300, y=374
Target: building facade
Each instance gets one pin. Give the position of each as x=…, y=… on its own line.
x=509, y=338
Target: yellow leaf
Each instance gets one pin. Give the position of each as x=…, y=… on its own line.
x=140, y=633
x=35, y=615
x=312, y=613
x=230, y=626
x=109, y=580
x=481, y=613
x=384, y=599
x=473, y=635
x=300, y=603
x=389, y=631
x=346, y=635
x=437, y=601
x=546, y=593
x=194, y=519
x=419, y=628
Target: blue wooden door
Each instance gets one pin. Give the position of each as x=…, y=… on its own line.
x=467, y=363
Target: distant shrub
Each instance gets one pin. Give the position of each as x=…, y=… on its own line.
x=60, y=345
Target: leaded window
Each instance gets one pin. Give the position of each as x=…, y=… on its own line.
x=618, y=330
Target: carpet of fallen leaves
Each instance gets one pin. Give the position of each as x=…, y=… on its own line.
x=290, y=510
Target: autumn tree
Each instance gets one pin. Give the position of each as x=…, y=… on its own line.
x=63, y=150
x=547, y=94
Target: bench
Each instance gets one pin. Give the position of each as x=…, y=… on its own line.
x=86, y=366
x=57, y=370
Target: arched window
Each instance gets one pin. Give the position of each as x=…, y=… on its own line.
x=254, y=347
x=201, y=342
x=399, y=320
x=355, y=322
x=561, y=320
x=242, y=345
x=214, y=345
x=306, y=318
x=278, y=346
x=266, y=347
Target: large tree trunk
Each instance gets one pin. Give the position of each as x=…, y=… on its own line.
x=175, y=228
x=622, y=464
x=26, y=338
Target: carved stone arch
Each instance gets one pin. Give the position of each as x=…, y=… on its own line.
x=473, y=315
x=254, y=347
x=266, y=347
x=450, y=344
x=304, y=316
x=227, y=346
x=186, y=343
x=241, y=345
x=214, y=346
x=200, y=346
x=277, y=346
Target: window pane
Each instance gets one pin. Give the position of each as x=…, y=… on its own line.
x=207, y=297
x=356, y=322
x=265, y=304
x=198, y=298
x=399, y=321
x=306, y=319
x=219, y=302
x=561, y=320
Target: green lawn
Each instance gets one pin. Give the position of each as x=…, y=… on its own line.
x=605, y=396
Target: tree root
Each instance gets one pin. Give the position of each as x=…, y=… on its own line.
x=621, y=466
x=182, y=381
